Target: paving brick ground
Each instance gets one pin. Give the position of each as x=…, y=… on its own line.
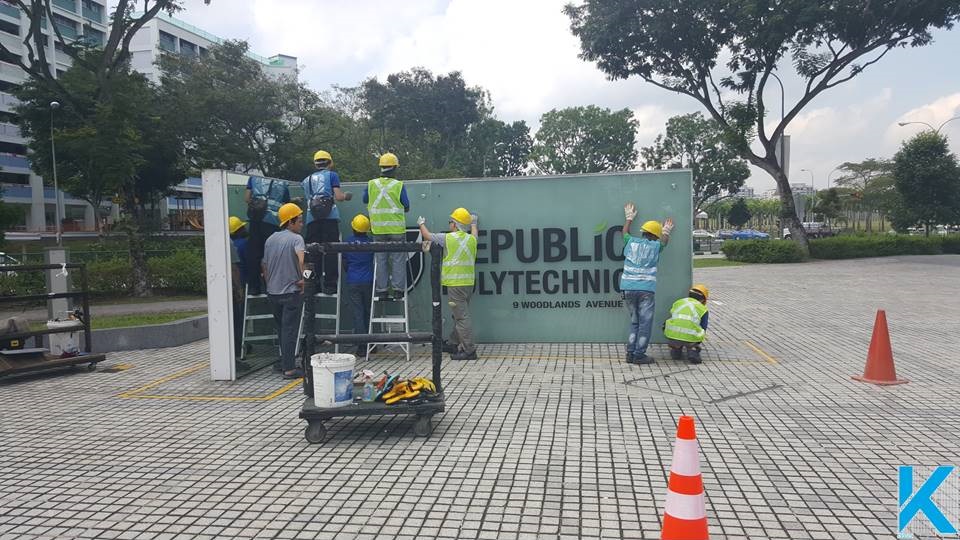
x=538, y=441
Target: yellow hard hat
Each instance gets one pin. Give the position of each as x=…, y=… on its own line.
x=702, y=289
x=653, y=227
x=360, y=223
x=322, y=154
x=236, y=224
x=389, y=160
x=288, y=212
x=461, y=216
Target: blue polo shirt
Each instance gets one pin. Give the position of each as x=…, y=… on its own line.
x=321, y=182
x=641, y=257
x=359, y=264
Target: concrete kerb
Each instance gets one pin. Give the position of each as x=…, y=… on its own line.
x=153, y=336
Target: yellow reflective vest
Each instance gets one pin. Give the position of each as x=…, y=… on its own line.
x=684, y=321
x=459, y=260
x=386, y=212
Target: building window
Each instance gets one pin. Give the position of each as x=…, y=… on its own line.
x=14, y=178
x=8, y=87
x=10, y=28
x=69, y=5
x=187, y=48
x=66, y=26
x=9, y=10
x=204, y=52
x=168, y=42
x=9, y=117
x=93, y=37
x=12, y=148
x=92, y=11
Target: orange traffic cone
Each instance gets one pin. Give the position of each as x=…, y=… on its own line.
x=685, y=512
x=879, y=368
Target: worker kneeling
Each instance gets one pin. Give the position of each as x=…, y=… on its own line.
x=687, y=325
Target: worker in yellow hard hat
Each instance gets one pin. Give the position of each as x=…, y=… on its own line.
x=387, y=202
x=283, y=274
x=264, y=196
x=238, y=258
x=639, y=279
x=687, y=326
x=322, y=193
x=458, y=275
x=358, y=272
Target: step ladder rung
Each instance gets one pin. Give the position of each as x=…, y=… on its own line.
x=258, y=317
x=260, y=338
x=393, y=320
x=324, y=316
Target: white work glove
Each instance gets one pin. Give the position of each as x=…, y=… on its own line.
x=473, y=219
x=667, y=226
x=421, y=220
x=630, y=211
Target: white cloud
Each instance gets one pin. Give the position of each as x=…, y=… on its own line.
x=934, y=114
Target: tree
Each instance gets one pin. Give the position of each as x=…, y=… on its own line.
x=10, y=215
x=869, y=188
x=693, y=142
x=233, y=115
x=426, y=118
x=585, y=140
x=722, y=54
x=927, y=178
x=828, y=205
x=739, y=214
x=112, y=140
x=495, y=148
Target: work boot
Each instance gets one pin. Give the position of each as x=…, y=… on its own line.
x=693, y=356
x=676, y=354
x=464, y=355
x=630, y=358
x=642, y=359
x=450, y=347
x=329, y=290
x=397, y=294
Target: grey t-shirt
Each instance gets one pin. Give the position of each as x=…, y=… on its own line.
x=280, y=258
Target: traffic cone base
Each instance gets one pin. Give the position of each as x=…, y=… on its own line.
x=684, y=512
x=880, y=369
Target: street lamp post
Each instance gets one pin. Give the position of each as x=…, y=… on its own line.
x=783, y=156
x=830, y=176
x=937, y=131
x=54, y=105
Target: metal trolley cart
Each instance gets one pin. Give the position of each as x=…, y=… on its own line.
x=424, y=409
x=24, y=360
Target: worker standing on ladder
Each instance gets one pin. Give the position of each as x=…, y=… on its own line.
x=322, y=192
x=387, y=201
x=358, y=268
x=283, y=273
x=238, y=258
x=458, y=275
x=264, y=197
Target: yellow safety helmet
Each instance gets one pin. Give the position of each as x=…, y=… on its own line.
x=702, y=289
x=389, y=160
x=235, y=224
x=461, y=216
x=322, y=154
x=360, y=223
x=653, y=227
x=288, y=212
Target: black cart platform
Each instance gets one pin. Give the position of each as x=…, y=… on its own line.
x=422, y=408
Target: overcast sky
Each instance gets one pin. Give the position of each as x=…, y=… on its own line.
x=523, y=53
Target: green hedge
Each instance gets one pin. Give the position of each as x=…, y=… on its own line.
x=112, y=276
x=951, y=244
x=762, y=251
x=182, y=272
x=853, y=247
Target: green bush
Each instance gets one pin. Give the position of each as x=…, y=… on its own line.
x=112, y=276
x=951, y=244
x=182, y=272
x=762, y=251
x=853, y=247
x=22, y=283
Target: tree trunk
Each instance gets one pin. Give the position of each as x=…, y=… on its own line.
x=788, y=209
x=138, y=261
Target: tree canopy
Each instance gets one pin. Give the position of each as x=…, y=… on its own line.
x=927, y=178
x=723, y=53
x=585, y=140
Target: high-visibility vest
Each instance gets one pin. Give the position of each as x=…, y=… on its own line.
x=386, y=212
x=459, y=260
x=684, y=321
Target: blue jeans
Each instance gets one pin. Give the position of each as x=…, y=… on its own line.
x=640, y=305
x=286, y=313
x=359, y=296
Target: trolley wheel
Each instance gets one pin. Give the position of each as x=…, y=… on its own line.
x=315, y=432
x=423, y=427
x=92, y=366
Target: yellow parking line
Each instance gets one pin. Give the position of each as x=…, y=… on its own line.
x=136, y=392
x=758, y=350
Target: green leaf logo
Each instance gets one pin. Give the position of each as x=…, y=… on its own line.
x=600, y=228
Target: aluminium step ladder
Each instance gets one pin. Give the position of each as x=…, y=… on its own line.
x=389, y=323
x=319, y=315
x=250, y=318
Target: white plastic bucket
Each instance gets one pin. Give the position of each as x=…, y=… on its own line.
x=63, y=344
x=332, y=379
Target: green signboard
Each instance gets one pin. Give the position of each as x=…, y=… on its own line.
x=550, y=249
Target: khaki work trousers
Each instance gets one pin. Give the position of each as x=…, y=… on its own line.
x=458, y=298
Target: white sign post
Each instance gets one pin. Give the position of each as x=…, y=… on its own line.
x=219, y=275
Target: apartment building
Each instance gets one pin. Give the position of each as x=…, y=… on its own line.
x=87, y=20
